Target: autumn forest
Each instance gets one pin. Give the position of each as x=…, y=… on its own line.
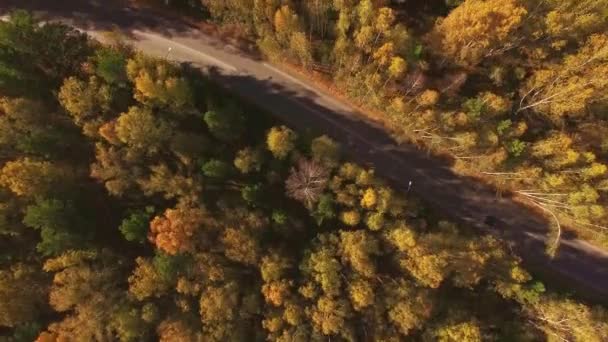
x=142, y=201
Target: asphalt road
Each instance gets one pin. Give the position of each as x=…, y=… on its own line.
x=578, y=266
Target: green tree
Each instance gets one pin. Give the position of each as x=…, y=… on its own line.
x=226, y=124
x=325, y=209
x=28, y=127
x=215, y=168
x=53, y=51
x=111, y=65
x=57, y=222
x=135, y=226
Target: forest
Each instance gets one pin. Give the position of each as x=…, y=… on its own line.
x=140, y=201
x=512, y=91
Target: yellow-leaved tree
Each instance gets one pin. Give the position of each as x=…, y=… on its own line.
x=475, y=30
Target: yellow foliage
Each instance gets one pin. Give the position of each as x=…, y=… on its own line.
x=248, y=160
x=361, y=294
x=329, y=315
x=428, y=269
x=575, y=19
x=461, y=332
x=281, y=141
x=299, y=45
x=567, y=320
x=475, y=29
x=397, y=68
x=84, y=100
x=359, y=248
x=369, y=199
x=157, y=82
x=285, y=23
x=176, y=330
x=240, y=246
x=139, y=129
x=145, y=281
x=403, y=238
x=494, y=105
x=276, y=292
x=219, y=303
x=570, y=87
x=293, y=314
x=350, y=217
x=384, y=53
x=428, y=98
x=27, y=177
x=273, y=324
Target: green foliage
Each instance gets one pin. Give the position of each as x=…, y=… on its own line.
x=216, y=169
x=279, y=217
x=53, y=51
x=168, y=266
x=26, y=332
x=252, y=194
x=325, y=209
x=111, y=65
x=503, y=126
x=129, y=324
x=226, y=124
x=56, y=220
x=135, y=226
x=474, y=108
x=516, y=147
x=24, y=128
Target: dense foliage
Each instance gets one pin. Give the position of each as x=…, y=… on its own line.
x=135, y=206
x=514, y=90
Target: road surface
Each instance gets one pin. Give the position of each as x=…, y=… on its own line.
x=578, y=266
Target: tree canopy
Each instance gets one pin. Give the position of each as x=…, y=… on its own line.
x=181, y=214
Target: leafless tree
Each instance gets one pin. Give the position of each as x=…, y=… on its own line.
x=307, y=181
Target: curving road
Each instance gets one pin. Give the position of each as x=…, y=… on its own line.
x=578, y=266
